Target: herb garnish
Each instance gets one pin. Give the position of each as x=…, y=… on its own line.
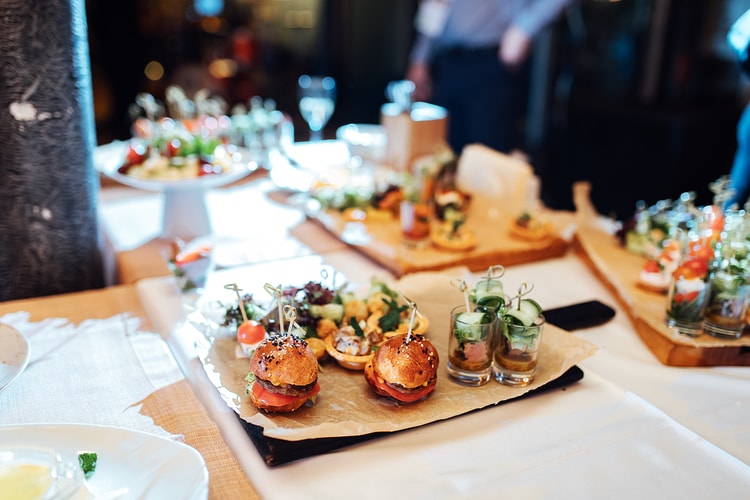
x=87, y=461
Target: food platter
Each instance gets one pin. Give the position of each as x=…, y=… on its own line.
x=14, y=354
x=488, y=221
x=347, y=411
x=620, y=270
x=130, y=464
x=109, y=157
x=185, y=213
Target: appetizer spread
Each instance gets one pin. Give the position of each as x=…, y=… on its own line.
x=671, y=232
x=190, y=143
x=311, y=324
x=438, y=209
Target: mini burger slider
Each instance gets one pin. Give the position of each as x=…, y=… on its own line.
x=283, y=374
x=404, y=368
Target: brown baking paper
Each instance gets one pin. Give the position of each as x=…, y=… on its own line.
x=346, y=406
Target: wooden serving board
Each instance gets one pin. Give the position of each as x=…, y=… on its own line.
x=619, y=270
x=381, y=240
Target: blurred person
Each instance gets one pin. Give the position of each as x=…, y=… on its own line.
x=471, y=57
x=738, y=38
x=739, y=176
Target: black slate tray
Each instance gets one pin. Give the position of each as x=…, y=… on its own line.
x=278, y=451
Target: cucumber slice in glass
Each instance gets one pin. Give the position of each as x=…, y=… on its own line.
x=520, y=316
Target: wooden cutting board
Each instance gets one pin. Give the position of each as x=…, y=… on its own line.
x=619, y=270
x=381, y=240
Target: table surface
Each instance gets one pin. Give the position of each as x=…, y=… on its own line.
x=632, y=425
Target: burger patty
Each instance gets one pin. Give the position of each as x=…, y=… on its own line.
x=403, y=389
x=286, y=389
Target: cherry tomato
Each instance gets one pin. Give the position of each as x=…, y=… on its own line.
x=208, y=168
x=692, y=269
x=250, y=332
x=186, y=257
x=651, y=266
x=681, y=298
x=136, y=153
x=173, y=147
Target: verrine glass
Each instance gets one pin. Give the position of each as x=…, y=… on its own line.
x=470, y=342
x=517, y=352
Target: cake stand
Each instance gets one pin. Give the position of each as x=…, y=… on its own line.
x=185, y=213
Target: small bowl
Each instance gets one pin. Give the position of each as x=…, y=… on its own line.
x=348, y=361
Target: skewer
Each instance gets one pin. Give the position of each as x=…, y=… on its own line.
x=276, y=293
x=463, y=288
x=237, y=290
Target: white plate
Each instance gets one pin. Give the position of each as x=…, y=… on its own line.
x=109, y=157
x=303, y=164
x=14, y=354
x=137, y=464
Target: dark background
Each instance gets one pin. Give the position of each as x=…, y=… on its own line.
x=641, y=97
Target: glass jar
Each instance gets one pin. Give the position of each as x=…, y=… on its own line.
x=725, y=308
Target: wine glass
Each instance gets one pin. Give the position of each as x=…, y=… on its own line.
x=317, y=99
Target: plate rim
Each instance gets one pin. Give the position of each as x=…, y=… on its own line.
x=20, y=367
x=96, y=430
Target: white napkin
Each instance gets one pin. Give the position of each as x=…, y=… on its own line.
x=485, y=172
x=95, y=372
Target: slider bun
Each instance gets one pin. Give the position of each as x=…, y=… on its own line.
x=410, y=364
x=284, y=359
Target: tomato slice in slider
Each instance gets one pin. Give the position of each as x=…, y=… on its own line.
x=274, y=399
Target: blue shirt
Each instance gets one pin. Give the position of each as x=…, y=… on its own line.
x=481, y=23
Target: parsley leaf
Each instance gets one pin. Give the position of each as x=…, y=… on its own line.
x=87, y=461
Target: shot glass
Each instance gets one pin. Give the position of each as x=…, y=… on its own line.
x=516, y=352
x=725, y=311
x=470, y=342
x=416, y=223
x=685, y=300
x=191, y=267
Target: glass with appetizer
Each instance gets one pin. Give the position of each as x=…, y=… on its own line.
x=725, y=309
x=516, y=351
x=190, y=264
